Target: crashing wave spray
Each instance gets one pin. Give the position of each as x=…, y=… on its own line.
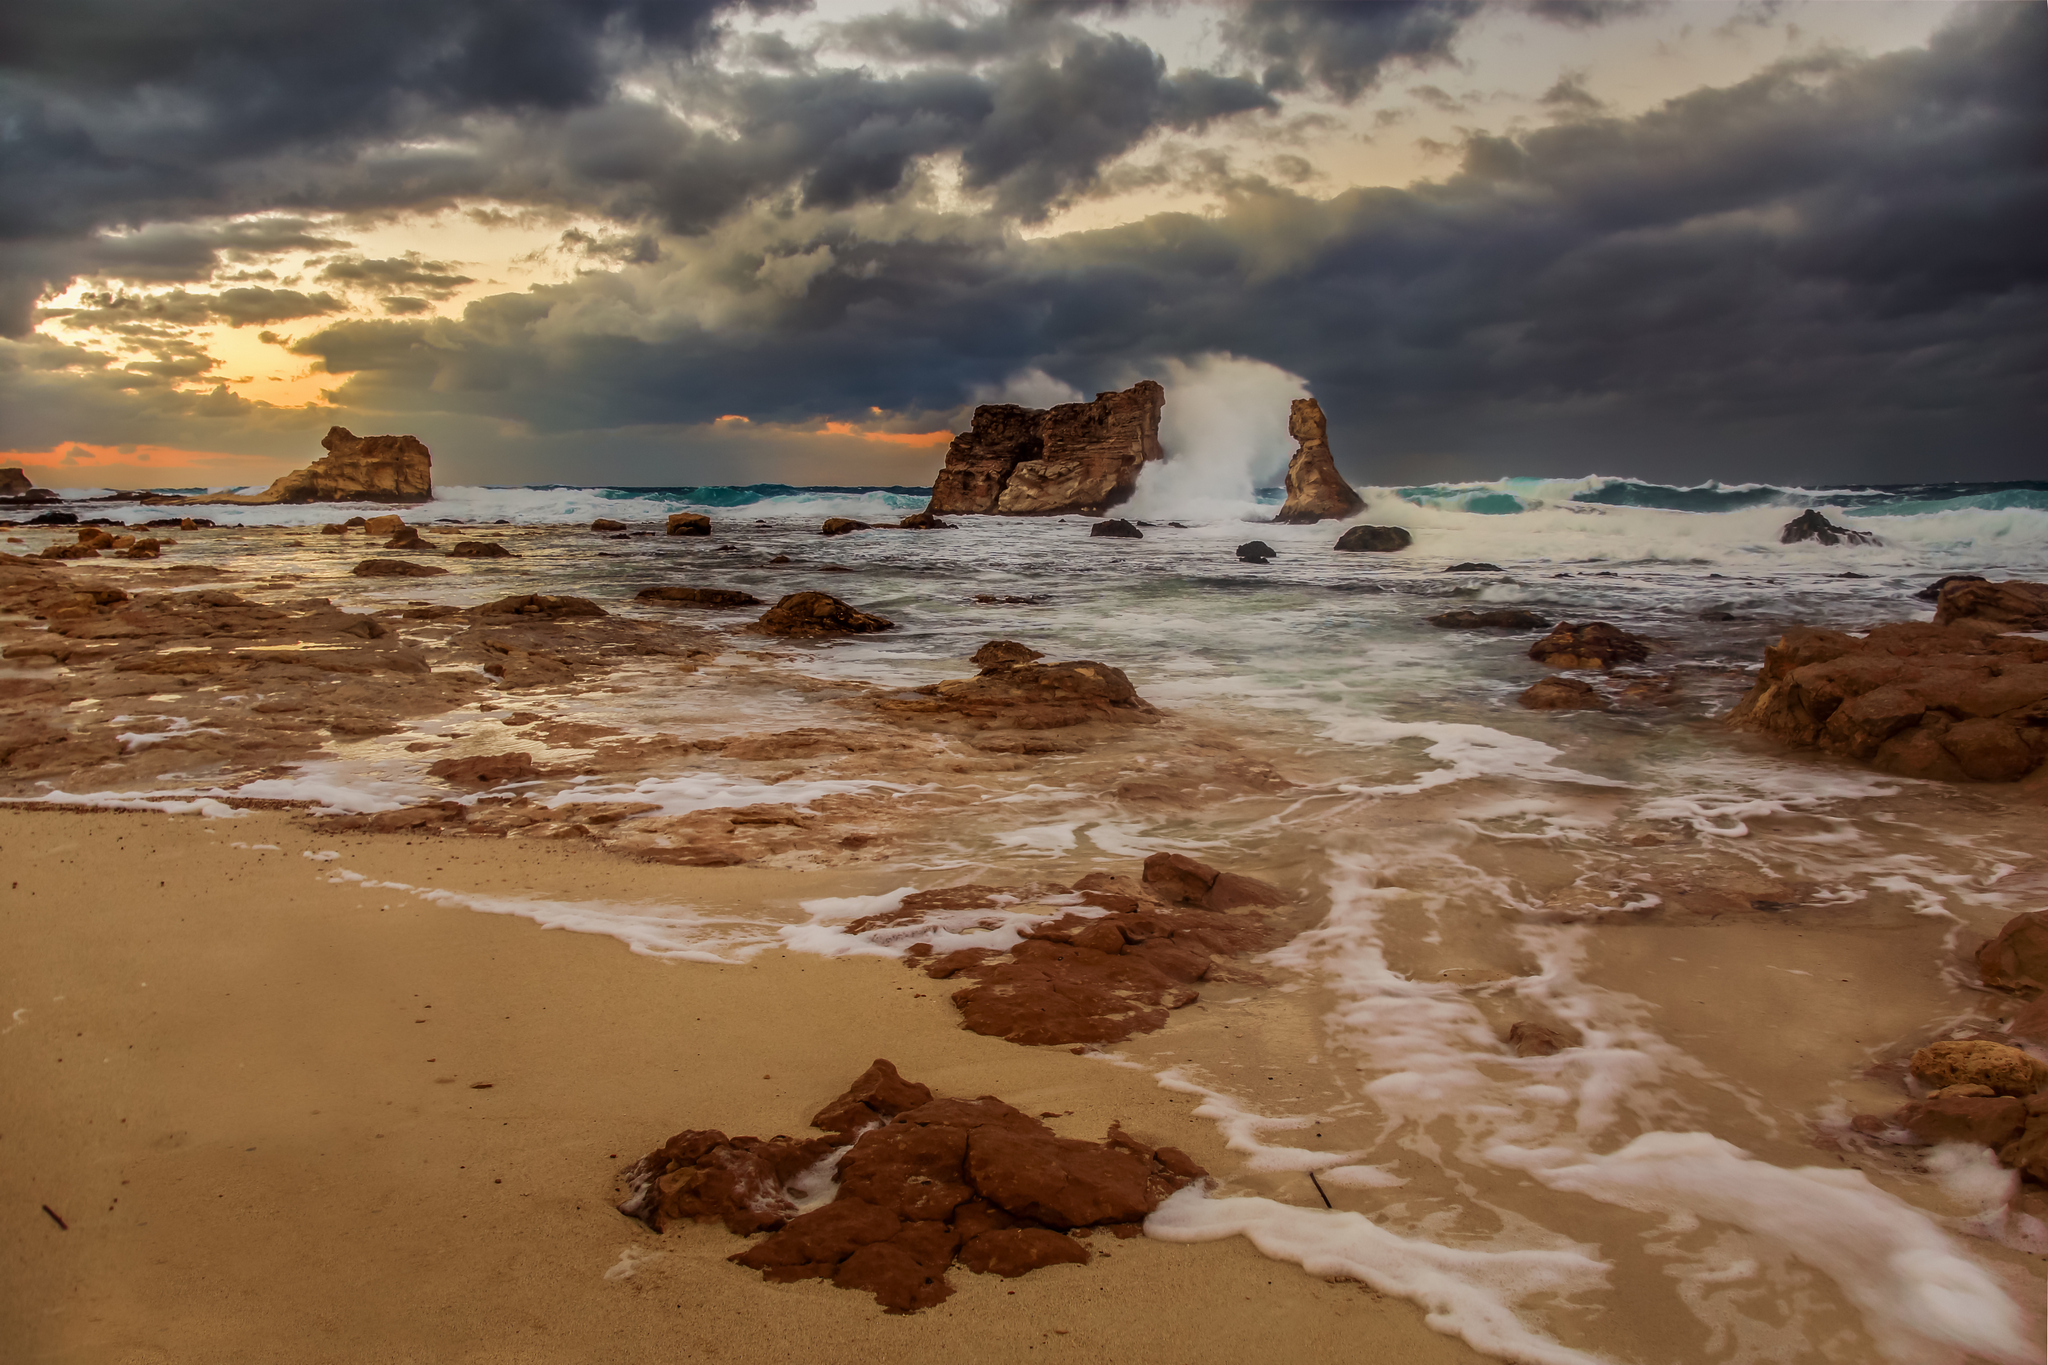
x=1225, y=433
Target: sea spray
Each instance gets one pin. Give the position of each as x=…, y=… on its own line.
x=1224, y=429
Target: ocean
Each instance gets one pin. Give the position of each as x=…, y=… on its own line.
x=1744, y=941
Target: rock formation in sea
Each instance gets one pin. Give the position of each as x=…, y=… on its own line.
x=1596, y=644
x=1074, y=458
x=16, y=487
x=355, y=469
x=1315, y=490
x=1811, y=525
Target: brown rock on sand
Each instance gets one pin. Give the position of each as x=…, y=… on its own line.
x=1315, y=490
x=1563, y=694
x=2017, y=958
x=936, y=1179
x=2007, y=1070
x=698, y=597
x=1595, y=644
x=817, y=613
x=1181, y=880
x=395, y=568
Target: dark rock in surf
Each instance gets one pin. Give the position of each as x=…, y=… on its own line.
x=2017, y=959
x=1255, y=552
x=817, y=613
x=688, y=524
x=1811, y=525
x=395, y=568
x=1004, y=654
x=548, y=606
x=1117, y=529
x=607, y=524
x=480, y=549
x=1534, y=1040
x=840, y=526
x=1932, y=592
x=1595, y=644
x=1475, y=568
x=924, y=521
x=1378, y=539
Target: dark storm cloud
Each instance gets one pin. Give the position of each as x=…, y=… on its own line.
x=243, y=306
x=425, y=278
x=1831, y=270
x=1342, y=45
x=383, y=107
x=118, y=112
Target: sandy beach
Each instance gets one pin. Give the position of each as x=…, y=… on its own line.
x=250, y=1094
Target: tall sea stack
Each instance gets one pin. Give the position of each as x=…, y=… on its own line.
x=1027, y=462
x=1315, y=490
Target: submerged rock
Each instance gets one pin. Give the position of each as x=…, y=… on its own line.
x=551, y=606
x=1595, y=644
x=607, y=524
x=396, y=568
x=1256, y=552
x=1534, y=1040
x=839, y=526
x=1955, y=703
x=1014, y=691
x=486, y=769
x=1811, y=525
x=480, y=549
x=1116, y=528
x=921, y=1180
x=355, y=469
x=1077, y=457
x=698, y=597
x=1499, y=618
x=1378, y=539
x=1475, y=567
x=1563, y=694
x=924, y=521
x=1315, y=490
x=817, y=613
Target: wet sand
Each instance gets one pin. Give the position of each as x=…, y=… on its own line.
x=248, y=1090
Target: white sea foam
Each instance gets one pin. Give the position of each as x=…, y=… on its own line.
x=1224, y=430
x=694, y=792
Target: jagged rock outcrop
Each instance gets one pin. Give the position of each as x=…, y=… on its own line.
x=922, y=1180
x=1315, y=490
x=1077, y=457
x=355, y=469
x=2012, y=605
x=1952, y=703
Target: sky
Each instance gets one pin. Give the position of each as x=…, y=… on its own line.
x=663, y=242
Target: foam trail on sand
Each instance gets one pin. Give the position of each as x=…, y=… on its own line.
x=1464, y=1292
x=676, y=933
x=1919, y=1295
